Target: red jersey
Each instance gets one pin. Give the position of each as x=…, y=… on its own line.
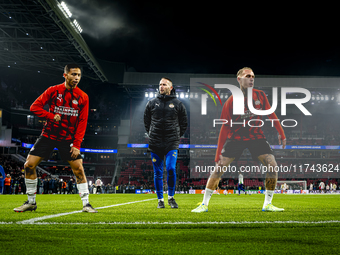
x=244, y=132
x=73, y=107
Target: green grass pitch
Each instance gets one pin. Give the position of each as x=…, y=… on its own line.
x=234, y=224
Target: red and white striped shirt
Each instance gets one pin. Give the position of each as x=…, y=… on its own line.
x=73, y=107
x=245, y=132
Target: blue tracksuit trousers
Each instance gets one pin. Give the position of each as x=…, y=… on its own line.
x=170, y=161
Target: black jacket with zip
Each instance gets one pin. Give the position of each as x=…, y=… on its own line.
x=165, y=121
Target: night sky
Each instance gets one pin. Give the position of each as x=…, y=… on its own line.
x=205, y=37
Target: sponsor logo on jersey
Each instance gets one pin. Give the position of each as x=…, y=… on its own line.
x=68, y=111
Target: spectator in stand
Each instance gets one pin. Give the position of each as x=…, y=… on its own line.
x=98, y=185
x=8, y=181
x=46, y=183
x=63, y=186
x=70, y=186
x=327, y=188
x=322, y=187
x=50, y=185
x=22, y=184
x=40, y=185
x=15, y=189
x=2, y=180
x=59, y=183
x=93, y=188
x=56, y=185
x=109, y=188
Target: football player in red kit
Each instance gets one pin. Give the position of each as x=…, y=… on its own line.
x=234, y=139
x=65, y=128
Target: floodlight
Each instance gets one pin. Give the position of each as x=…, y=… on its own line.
x=66, y=10
x=76, y=24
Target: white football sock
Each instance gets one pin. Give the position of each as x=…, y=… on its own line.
x=207, y=195
x=31, y=189
x=83, y=192
x=268, y=197
x=162, y=199
x=169, y=197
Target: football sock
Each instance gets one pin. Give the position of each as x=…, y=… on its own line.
x=207, y=195
x=31, y=189
x=83, y=192
x=161, y=199
x=169, y=197
x=268, y=197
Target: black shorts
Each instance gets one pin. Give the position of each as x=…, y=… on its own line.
x=234, y=149
x=44, y=146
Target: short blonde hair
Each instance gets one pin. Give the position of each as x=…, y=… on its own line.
x=240, y=72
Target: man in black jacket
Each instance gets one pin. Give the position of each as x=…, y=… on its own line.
x=165, y=120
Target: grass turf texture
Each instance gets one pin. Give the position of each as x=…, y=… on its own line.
x=99, y=233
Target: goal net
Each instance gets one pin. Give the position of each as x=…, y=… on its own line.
x=291, y=185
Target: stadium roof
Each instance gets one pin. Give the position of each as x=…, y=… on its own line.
x=38, y=36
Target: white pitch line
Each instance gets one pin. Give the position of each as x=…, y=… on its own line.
x=219, y=222
x=33, y=220
x=194, y=223
x=177, y=223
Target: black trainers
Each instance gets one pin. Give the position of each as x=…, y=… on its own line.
x=161, y=204
x=172, y=203
x=26, y=207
